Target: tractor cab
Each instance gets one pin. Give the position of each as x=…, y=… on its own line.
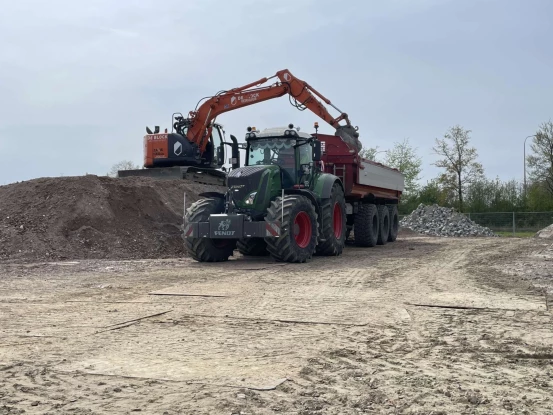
x=287, y=148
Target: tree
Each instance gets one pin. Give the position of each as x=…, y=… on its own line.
x=459, y=161
x=404, y=158
x=485, y=195
x=369, y=153
x=122, y=165
x=541, y=162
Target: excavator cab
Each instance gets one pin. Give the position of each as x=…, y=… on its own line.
x=211, y=155
x=170, y=155
x=174, y=149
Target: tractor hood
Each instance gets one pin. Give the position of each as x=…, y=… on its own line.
x=253, y=187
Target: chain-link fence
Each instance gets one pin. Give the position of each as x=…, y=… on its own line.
x=515, y=222
x=512, y=222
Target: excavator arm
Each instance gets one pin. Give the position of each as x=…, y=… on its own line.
x=200, y=121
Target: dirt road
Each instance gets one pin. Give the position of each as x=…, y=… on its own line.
x=421, y=326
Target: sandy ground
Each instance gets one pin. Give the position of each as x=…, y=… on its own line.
x=421, y=326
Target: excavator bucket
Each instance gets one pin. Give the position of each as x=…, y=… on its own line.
x=350, y=135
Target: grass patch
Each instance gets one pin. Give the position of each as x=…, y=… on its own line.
x=516, y=235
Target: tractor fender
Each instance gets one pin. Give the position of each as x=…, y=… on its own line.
x=323, y=188
x=213, y=195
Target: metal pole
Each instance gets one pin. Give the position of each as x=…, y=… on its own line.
x=514, y=228
x=184, y=210
x=525, y=164
x=282, y=211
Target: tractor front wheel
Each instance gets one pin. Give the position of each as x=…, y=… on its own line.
x=206, y=249
x=299, y=229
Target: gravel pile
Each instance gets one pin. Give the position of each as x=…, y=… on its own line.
x=93, y=217
x=440, y=221
x=546, y=233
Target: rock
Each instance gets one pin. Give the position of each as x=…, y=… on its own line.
x=440, y=221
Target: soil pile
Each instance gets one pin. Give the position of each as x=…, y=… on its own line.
x=94, y=217
x=440, y=221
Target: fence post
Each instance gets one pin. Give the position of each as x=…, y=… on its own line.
x=469, y=215
x=514, y=229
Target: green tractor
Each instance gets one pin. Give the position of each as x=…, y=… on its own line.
x=281, y=203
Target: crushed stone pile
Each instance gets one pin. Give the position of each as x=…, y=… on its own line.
x=546, y=233
x=441, y=221
x=94, y=217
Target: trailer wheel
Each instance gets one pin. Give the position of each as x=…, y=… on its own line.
x=206, y=249
x=365, y=228
x=332, y=237
x=394, y=223
x=299, y=229
x=252, y=247
x=383, y=224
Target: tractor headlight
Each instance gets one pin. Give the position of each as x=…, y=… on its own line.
x=250, y=198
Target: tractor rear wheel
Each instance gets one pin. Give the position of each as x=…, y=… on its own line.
x=332, y=237
x=206, y=249
x=252, y=247
x=365, y=228
x=394, y=223
x=299, y=229
x=384, y=224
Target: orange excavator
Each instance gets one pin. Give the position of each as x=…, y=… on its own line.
x=195, y=147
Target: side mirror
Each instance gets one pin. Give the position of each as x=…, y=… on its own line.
x=235, y=153
x=317, y=151
x=220, y=155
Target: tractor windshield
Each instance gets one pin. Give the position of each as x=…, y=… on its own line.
x=272, y=151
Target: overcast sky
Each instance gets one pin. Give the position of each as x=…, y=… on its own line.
x=79, y=81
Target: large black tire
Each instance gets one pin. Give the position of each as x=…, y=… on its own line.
x=365, y=228
x=252, y=247
x=394, y=223
x=332, y=236
x=206, y=249
x=383, y=224
x=299, y=230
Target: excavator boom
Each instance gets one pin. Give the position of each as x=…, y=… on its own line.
x=303, y=94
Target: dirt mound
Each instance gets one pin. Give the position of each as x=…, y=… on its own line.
x=94, y=217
